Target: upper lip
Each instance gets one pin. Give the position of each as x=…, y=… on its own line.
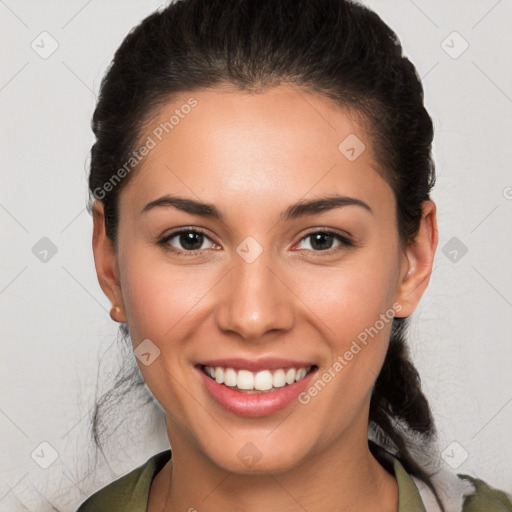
x=255, y=365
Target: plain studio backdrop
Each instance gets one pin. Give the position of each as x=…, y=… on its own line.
x=55, y=322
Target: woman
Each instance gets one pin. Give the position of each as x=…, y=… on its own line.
x=263, y=228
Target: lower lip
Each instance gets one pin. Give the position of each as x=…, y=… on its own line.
x=255, y=405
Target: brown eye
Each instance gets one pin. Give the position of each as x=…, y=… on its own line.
x=184, y=241
x=321, y=241
x=190, y=240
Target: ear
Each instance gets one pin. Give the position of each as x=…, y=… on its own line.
x=418, y=257
x=106, y=263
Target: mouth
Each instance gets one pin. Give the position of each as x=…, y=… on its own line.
x=259, y=392
x=264, y=381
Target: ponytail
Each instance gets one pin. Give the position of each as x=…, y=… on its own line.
x=398, y=408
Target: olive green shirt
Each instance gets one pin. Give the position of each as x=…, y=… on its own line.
x=130, y=492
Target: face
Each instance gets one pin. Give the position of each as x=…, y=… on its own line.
x=316, y=287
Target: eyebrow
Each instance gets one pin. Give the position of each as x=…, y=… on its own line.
x=299, y=209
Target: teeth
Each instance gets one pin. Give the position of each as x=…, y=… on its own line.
x=279, y=379
x=219, y=375
x=261, y=381
x=245, y=380
x=230, y=377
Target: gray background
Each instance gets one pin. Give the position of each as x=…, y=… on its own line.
x=55, y=324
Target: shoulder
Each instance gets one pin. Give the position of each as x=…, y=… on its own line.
x=130, y=491
x=485, y=498
x=456, y=492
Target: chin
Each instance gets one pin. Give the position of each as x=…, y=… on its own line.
x=255, y=458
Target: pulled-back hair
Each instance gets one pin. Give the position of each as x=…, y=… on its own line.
x=335, y=48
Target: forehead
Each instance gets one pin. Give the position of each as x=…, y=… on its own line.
x=284, y=143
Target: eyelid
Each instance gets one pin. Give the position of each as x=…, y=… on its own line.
x=332, y=231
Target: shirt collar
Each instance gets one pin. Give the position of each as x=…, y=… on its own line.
x=409, y=498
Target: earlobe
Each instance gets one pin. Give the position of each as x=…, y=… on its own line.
x=418, y=260
x=105, y=262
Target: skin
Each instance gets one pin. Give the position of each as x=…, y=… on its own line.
x=252, y=156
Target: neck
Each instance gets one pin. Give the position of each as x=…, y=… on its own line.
x=342, y=478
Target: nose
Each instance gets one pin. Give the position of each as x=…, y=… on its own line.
x=257, y=299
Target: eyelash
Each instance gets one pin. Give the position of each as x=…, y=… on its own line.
x=163, y=242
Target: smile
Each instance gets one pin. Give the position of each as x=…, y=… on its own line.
x=264, y=380
x=255, y=393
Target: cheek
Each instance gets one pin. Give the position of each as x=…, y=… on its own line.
x=347, y=304
x=159, y=296
x=352, y=305
x=347, y=298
